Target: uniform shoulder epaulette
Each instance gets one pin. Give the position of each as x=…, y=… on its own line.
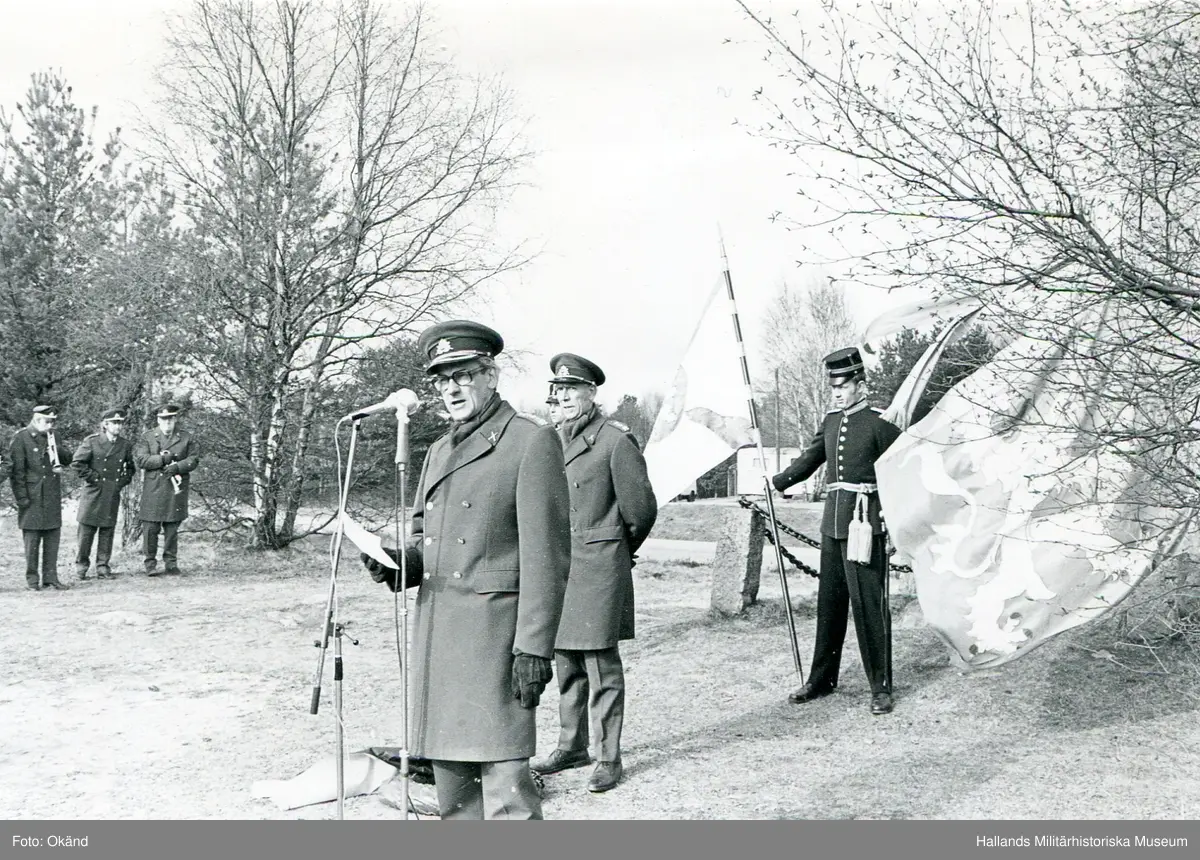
x=615, y=423
x=536, y=419
x=876, y=410
x=831, y=411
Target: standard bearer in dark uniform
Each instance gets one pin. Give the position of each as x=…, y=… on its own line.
x=852, y=437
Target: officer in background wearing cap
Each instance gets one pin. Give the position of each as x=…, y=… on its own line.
x=612, y=511
x=852, y=437
x=490, y=551
x=104, y=461
x=554, y=408
x=35, y=472
x=167, y=456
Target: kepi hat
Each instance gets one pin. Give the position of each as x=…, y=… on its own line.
x=844, y=362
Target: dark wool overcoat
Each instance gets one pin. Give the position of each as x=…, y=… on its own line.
x=153, y=453
x=612, y=511
x=36, y=487
x=106, y=468
x=490, y=516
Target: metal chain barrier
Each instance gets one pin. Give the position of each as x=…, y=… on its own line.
x=803, y=538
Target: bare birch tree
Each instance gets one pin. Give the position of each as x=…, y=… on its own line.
x=341, y=179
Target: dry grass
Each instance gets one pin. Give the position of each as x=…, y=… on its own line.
x=168, y=698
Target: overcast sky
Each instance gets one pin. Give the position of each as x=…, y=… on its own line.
x=631, y=106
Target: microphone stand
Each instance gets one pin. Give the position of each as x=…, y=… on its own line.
x=402, y=596
x=333, y=628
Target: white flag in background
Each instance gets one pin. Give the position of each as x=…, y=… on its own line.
x=705, y=417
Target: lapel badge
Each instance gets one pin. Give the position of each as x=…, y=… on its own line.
x=443, y=346
x=492, y=437
x=591, y=440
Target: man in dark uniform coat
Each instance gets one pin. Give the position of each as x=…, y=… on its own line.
x=104, y=461
x=167, y=456
x=852, y=437
x=490, y=551
x=612, y=511
x=35, y=472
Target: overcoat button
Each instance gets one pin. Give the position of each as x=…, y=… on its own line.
x=466, y=504
x=457, y=575
x=428, y=541
x=462, y=540
x=429, y=506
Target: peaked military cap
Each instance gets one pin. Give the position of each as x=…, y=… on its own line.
x=113, y=415
x=458, y=340
x=169, y=411
x=568, y=367
x=844, y=362
x=48, y=411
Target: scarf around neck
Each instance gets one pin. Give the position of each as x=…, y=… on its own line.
x=462, y=429
x=574, y=426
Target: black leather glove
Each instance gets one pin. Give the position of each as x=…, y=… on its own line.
x=414, y=568
x=171, y=469
x=778, y=482
x=530, y=675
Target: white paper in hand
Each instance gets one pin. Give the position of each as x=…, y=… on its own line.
x=366, y=542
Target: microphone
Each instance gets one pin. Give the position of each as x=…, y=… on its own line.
x=403, y=399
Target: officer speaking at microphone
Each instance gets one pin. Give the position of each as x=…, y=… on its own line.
x=612, y=511
x=853, y=574
x=490, y=552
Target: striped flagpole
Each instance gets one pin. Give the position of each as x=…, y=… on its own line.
x=737, y=330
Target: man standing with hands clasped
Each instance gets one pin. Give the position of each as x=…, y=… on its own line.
x=167, y=456
x=104, y=461
x=36, y=475
x=852, y=437
x=612, y=511
x=490, y=551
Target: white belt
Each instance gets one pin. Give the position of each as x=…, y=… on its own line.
x=853, y=488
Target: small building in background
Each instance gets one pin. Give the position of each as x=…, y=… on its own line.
x=749, y=469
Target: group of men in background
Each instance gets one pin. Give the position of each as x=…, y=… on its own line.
x=106, y=463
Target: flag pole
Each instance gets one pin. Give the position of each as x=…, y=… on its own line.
x=737, y=330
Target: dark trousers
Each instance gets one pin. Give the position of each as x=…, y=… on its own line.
x=87, y=534
x=487, y=790
x=45, y=541
x=170, y=532
x=863, y=589
x=591, y=686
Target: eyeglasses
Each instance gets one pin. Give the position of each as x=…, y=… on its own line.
x=461, y=378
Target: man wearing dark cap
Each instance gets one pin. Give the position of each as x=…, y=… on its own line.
x=35, y=471
x=852, y=437
x=104, y=461
x=554, y=408
x=612, y=511
x=167, y=456
x=490, y=551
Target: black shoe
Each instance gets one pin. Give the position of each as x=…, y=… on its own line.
x=153, y=571
x=174, y=571
x=881, y=703
x=58, y=586
x=807, y=693
x=606, y=775
x=561, y=760
x=82, y=573
x=105, y=573
x=34, y=586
